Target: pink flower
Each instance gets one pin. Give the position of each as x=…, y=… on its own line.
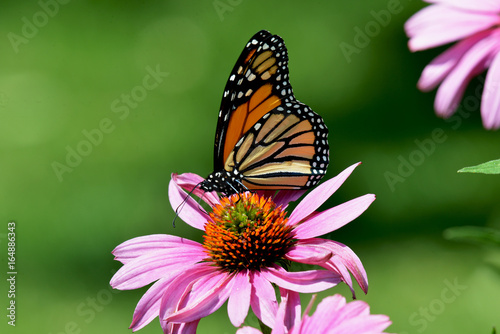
x=475, y=25
x=249, y=241
x=333, y=316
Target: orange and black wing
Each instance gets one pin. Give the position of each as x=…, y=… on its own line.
x=264, y=135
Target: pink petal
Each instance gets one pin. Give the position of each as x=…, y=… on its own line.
x=152, y=266
x=337, y=265
x=185, y=206
x=181, y=286
x=239, y=300
x=149, y=306
x=333, y=218
x=492, y=6
x=322, y=318
x=439, y=24
x=347, y=257
x=133, y=248
x=263, y=299
x=490, y=106
x=288, y=312
x=283, y=197
x=319, y=195
x=472, y=63
x=182, y=328
x=310, y=255
x=190, y=182
x=351, y=317
x=439, y=68
x=205, y=297
x=248, y=330
x=305, y=281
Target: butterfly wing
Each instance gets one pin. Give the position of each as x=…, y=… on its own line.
x=263, y=133
x=250, y=91
x=286, y=149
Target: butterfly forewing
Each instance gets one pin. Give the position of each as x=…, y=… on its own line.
x=251, y=91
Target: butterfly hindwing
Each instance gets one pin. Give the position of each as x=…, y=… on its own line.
x=286, y=149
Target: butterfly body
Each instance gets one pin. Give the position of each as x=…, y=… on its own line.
x=266, y=139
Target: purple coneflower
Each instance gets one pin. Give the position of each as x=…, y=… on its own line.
x=332, y=316
x=248, y=243
x=474, y=25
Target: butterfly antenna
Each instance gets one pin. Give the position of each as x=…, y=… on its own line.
x=180, y=206
x=236, y=191
x=242, y=186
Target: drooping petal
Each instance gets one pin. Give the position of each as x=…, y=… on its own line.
x=441, y=66
x=152, y=266
x=490, y=106
x=263, y=299
x=319, y=195
x=333, y=218
x=439, y=24
x=185, y=206
x=289, y=312
x=148, y=307
x=304, y=281
x=239, y=300
x=492, y=6
x=136, y=247
x=347, y=257
x=310, y=255
x=181, y=328
x=180, y=286
x=205, y=297
x=472, y=63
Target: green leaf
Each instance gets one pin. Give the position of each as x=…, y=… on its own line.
x=490, y=167
x=473, y=234
x=494, y=331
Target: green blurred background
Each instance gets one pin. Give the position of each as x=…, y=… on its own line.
x=65, y=74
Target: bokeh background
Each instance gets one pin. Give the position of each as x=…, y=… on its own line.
x=66, y=69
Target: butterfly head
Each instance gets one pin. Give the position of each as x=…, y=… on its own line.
x=223, y=182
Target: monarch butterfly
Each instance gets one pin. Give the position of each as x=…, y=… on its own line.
x=265, y=138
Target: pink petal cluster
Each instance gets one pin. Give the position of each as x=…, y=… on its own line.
x=474, y=25
x=333, y=316
x=189, y=287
